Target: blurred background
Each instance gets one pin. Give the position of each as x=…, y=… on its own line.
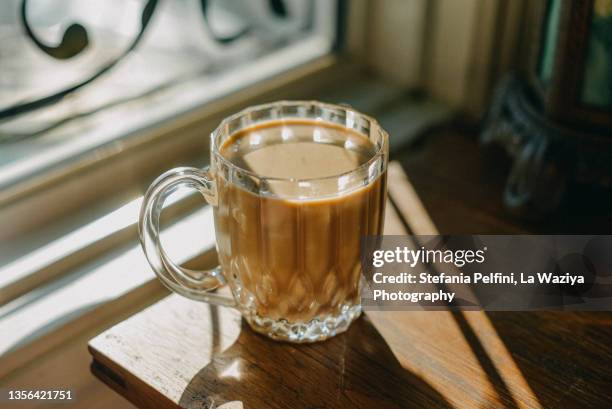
x=500, y=112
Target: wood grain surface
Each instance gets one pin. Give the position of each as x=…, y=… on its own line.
x=180, y=353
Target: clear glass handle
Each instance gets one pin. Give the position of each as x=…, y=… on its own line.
x=196, y=285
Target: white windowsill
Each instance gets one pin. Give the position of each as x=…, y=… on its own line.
x=48, y=307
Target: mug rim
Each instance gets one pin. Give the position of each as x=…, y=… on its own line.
x=381, y=150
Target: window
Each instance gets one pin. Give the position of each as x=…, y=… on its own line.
x=167, y=57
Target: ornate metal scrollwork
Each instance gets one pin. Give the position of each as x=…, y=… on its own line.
x=76, y=39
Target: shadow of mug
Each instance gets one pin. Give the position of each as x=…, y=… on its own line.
x=356, y=369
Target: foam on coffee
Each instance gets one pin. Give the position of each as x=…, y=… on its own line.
x=297, y=150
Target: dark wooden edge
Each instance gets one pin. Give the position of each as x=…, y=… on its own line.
x=126, y=384
x=536, y=12
x=569, y=59
x=564, y=99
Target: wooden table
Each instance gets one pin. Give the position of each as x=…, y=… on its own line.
x=180, y=353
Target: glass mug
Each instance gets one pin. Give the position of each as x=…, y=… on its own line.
x=289, y=248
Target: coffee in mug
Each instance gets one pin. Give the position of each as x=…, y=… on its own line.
x=294, y=187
